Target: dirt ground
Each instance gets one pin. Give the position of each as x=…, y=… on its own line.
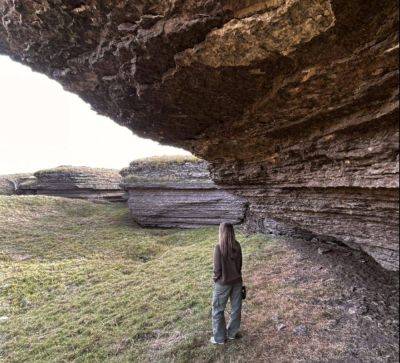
x=331, y=305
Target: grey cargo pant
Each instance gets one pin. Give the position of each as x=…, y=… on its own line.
x=221, y=294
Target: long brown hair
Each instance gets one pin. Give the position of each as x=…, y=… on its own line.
x=227, y=240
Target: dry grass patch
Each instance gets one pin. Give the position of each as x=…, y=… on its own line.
x=303, y=308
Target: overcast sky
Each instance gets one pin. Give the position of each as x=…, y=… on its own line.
x=43, y=126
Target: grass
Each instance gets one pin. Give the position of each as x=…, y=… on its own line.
x=159, y=162
x=167, y=159
x=77, y=170
x=79, y=282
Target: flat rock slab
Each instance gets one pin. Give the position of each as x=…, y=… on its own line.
x=76, y=182
x=178, y=194
x=185, y=207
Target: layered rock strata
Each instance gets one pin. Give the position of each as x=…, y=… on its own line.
x=10, y=184
x=76, y=182
x=293, y=102
x=178, y=193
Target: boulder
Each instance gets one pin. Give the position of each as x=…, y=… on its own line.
x=294, y=103
x=76, y=182
x=177, y=192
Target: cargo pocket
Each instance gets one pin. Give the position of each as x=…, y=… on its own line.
x=216, y=301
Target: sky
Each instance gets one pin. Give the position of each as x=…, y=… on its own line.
x=43, y=126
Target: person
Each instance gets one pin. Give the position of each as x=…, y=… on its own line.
x=227, y=285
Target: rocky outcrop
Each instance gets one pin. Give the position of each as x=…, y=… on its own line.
x=10, y=184
x=76, y=182
x=178, y=192
x=293, y=102
x=363, y=218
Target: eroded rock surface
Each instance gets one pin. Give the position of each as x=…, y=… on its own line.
x=10, y=183
x=293, y=102
x=76, y=182
x=172, y=192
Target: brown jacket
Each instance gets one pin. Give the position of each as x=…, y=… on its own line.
x=228, y=270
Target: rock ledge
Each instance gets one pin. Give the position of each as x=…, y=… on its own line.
x=177, y=192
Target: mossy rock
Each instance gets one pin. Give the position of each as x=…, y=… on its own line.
x=167, y=159
x=66, y=169
x=166, y=169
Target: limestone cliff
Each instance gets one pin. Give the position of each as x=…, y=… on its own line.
x=76, y=182
x=171, y=192
x=293, y=102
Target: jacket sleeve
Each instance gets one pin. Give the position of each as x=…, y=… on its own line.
x=217, y=264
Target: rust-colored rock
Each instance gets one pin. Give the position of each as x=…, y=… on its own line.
x=293, y=102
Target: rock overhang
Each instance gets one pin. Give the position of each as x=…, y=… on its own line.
x=290, y=101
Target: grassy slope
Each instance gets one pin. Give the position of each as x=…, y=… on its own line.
x=79, y=282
